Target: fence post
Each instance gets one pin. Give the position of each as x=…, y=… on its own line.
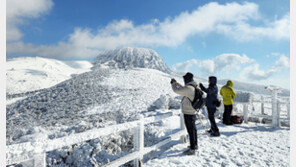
x=278, y=112
x=182, y=126
x=139, y=142
x=262, y=105
x=245, y=108
x=274, y=110
x=288, y=112
x=40, y=160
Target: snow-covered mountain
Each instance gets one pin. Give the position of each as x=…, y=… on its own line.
x=131, y=58
x=33, y=73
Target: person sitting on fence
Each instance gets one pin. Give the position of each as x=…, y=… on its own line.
x=227, y=94
x=212, y=103
x=188, y=93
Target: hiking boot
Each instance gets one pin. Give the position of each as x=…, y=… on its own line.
x=215, y=134
x=190, y=152
x=209, y=131
x=186, y=151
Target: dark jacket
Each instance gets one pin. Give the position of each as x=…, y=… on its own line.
x=212, y=92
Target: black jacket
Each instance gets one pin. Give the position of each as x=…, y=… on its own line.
x=212, y=92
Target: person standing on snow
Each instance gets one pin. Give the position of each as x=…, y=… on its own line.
x=211, y=103
x=227, y=94
x=188, y=93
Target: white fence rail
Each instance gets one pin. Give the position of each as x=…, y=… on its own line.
x=36, y=151
x=276, y=108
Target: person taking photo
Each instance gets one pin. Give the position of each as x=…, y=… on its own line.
x=211, y=103
x=188, y=93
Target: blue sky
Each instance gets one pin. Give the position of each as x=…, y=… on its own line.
x=240, y=40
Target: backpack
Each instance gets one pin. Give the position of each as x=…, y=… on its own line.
x=198, y=101
x=236, y=119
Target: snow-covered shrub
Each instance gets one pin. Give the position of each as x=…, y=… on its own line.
x=175, y=102
x=34, y=134
x=162, y=102
x=167, y=102
x=96, y=152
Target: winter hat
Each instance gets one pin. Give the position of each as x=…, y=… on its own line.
x=188, y=77
x=213, y=80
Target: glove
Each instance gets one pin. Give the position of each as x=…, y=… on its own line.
x=201, y=85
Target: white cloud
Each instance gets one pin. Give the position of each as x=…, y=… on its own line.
x=283, y=62
x=230, y=19
x=254, y=73
x=231, y=63
x=185, y=66
x=13, y=33
x=207, y=65
x=17, y=12
x=227, y=61
x=276, y=30
x=215, y=65
x=62, y=50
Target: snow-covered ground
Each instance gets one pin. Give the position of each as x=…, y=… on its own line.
x=33, y=73
x=111, y=94
x=239, y=145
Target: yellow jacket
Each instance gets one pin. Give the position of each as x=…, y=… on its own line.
x=227, y=93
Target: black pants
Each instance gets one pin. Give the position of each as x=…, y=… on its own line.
x=191, y=129
x=211, y=112
x=227, y=114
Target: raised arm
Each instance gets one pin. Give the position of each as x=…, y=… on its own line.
x=203, y=88
x=181, y=90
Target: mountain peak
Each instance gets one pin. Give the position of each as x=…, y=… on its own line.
x=130, y=57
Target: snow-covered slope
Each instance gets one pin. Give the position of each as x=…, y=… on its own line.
x=87, y=97
x=33, y=73
x=93, y=99
x=131, y=58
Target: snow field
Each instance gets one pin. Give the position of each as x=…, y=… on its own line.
x=33, y=73
x=131, y=92
x=239, y=145
x=117, y=93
